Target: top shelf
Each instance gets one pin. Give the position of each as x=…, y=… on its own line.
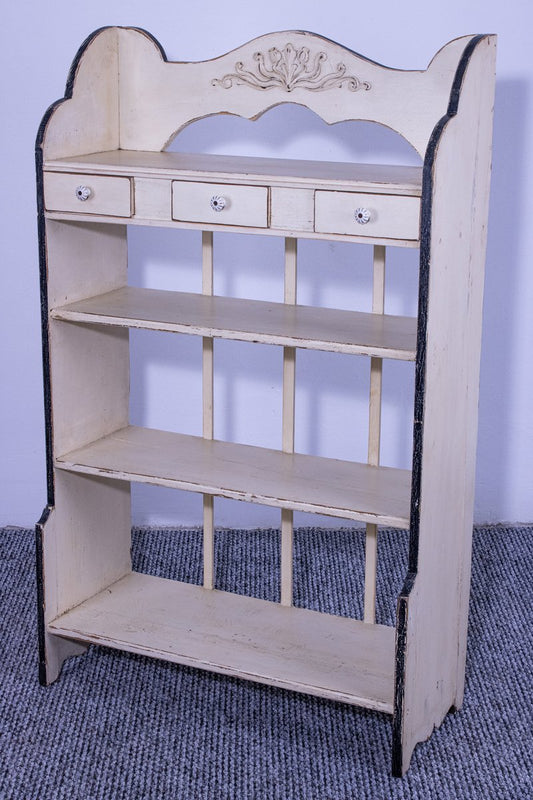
x=375, y=178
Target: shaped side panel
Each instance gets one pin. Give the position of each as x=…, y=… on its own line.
x=433, y=608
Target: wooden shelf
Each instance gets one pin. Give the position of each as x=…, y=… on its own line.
x=380, y=495
x=379, y=178
x=385, y=336
x=293, y=648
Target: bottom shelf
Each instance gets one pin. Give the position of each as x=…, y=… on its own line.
x=293, y=648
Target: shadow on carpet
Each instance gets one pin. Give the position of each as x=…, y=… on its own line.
x=117, y=725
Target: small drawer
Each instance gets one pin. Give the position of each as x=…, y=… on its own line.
x=374, y=215
x=220, y=204
x=87, y=194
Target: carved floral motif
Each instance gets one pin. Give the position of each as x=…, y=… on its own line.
x=289, y=69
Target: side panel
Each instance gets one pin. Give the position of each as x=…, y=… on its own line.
x=433, y=615
x=83, y=538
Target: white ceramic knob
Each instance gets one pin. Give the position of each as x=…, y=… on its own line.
x=218, y=202
x=83, y=192
x=362, y=215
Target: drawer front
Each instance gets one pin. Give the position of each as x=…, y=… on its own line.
x=373, y=215
x=87, y=194
x=220, y=204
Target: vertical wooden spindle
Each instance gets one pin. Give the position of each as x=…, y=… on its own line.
x=207, y=416
x=289, y=375
x=374, y=434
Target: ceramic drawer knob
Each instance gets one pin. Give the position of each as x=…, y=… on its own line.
x=362, y=215
x=83, y=192
x=218, y=202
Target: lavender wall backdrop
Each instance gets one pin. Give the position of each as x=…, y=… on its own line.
x=38, y=42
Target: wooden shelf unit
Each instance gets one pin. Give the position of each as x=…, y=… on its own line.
x=102, y=165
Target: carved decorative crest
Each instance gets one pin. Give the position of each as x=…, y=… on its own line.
x=289, y=69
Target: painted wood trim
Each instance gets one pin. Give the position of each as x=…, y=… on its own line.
x=204, y=226
x=319, y=654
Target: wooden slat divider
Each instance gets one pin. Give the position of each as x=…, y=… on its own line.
x=207, y=421
x=289, y=378
x=374, y=435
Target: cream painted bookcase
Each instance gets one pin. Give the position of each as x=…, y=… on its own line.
x=101, y=166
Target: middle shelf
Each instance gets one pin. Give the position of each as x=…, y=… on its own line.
x=379, y=495
x=354, y=332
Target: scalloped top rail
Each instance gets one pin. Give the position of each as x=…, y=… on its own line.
x=123, y=93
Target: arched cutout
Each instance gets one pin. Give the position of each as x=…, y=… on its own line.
x=291, y=130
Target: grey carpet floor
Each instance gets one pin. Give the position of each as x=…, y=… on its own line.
x=121, y=726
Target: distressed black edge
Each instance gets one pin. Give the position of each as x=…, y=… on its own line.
x=39, y=573
x=41, y=228
x=43, y=286
x=402, y=613
x=423, y=293
x=43, y=265
x=154, y=41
